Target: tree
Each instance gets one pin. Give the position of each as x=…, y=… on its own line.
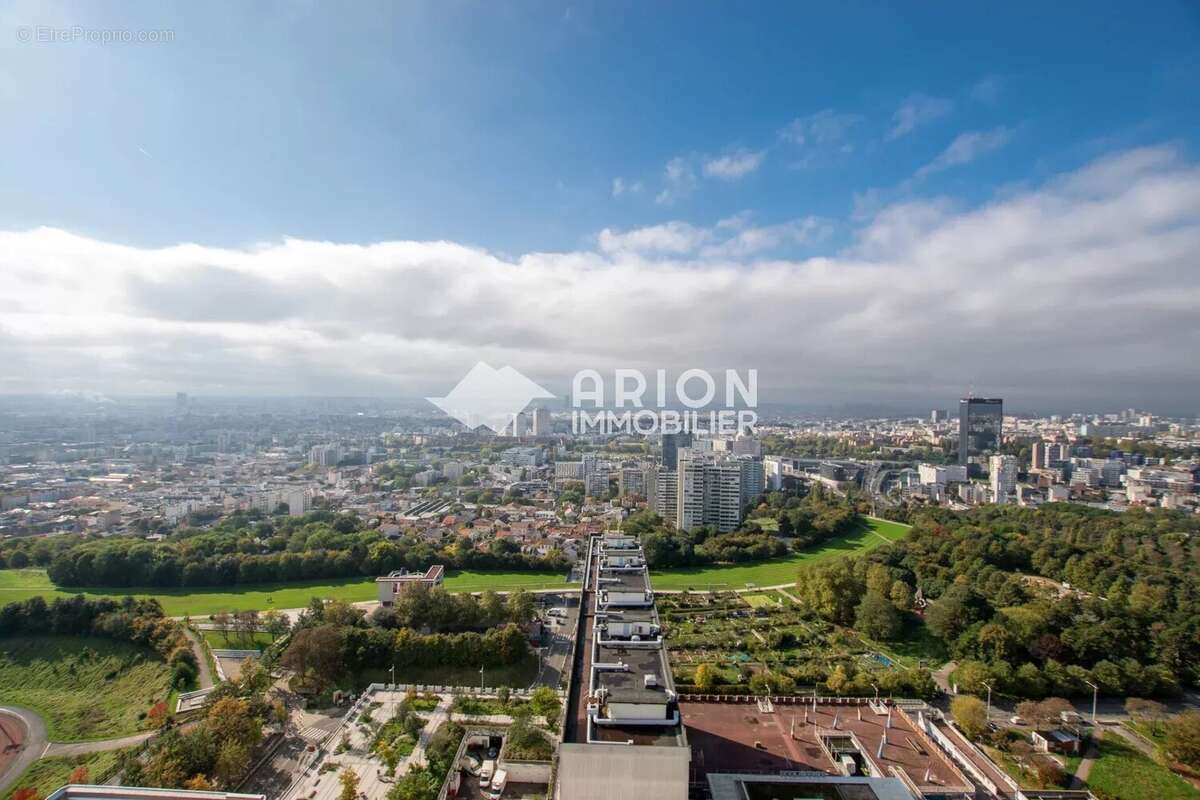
x=199, y=783
x=544, y=701
x=1183, y=738
x=157, y=714
x=706, y=677
x=1043, y=713
x=222, y=619
x=274, y=623
x=838, y=682
x=901, y=595
x=971, y=715
x=877, y=617
x=520, y=607
x=349, y=781
x=950, y=614
x=1146, y=711
x=416, y=784
x=316, y=654
x=233, y=758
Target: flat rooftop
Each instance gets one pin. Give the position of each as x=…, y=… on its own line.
x=629, y=686
x=624, y=580
x=738, y=737
x=778, y=787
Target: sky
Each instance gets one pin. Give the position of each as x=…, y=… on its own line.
x=885, y=204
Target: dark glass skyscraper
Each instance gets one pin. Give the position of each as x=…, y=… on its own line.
x=672, y=443
x=980, y=421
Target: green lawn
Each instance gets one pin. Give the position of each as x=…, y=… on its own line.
x=761, y=599
x=1123, y=773
x=778, y=571
x=21, y=584
x=84, y=687
x=237, y=640
x=47, y=774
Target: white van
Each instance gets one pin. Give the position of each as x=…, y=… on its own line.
x=498, y=784
x=485, y=774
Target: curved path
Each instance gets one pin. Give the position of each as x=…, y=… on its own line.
x=32, y=748
x=38, y=745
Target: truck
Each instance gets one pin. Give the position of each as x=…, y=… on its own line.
x=499, y=781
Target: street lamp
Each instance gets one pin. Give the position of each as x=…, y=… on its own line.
x=989, y=701
x=481, y=679
x=393, y=671
x=1095, y=695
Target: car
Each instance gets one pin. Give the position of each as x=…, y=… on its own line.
x=492, y=752
x=471, y=764
x=1016, y=720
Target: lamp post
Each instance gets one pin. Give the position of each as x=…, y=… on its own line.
x=1095, y=695
x=989, y=701
x=481, y=679
x=393, y=671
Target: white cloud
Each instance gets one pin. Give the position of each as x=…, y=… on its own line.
x=673, y=238
x=965, y=148
x=820, y=137
x=930, y=298
x=679, y=180
x=734, y=165
x=987, y=90
x=915, y=111
x=620, y=186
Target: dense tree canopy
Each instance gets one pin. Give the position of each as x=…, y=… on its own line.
x=245, y=548
x=1039, y=601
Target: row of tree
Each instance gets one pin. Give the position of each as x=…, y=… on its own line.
x=243, y=549
x=339, y=642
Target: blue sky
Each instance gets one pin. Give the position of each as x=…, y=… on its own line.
x=883, y=203
x=505, y=124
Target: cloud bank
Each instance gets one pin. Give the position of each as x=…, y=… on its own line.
x=1083, y=292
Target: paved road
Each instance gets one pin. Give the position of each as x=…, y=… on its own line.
x=205, y=676
x=1080, y=778
x=31, y=749
x=79, y=748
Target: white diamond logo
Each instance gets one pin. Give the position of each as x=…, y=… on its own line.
x=489, y=397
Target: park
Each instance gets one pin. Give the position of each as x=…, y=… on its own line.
x=21, y=584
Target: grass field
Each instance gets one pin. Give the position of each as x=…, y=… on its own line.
x=761, y=599
x=21, y=584
x=1123, y=773
x=84, y=687
x=47, y=774
x=237, y=640
x=778, y=571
